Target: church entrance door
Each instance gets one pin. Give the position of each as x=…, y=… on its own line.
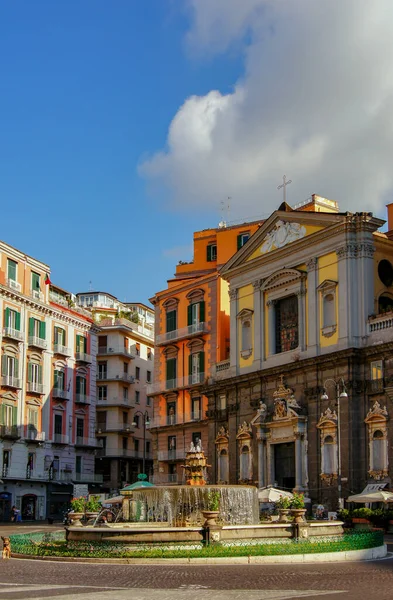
x=284, y=465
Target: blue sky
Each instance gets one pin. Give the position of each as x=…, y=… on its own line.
x=87, y=90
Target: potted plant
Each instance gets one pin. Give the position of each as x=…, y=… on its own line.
x=213, y=508
x=283, y=504
x=78, y=510
x=361, y=518
x=297, y=507
x=92, y=507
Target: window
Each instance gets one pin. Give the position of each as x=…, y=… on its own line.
x=242, y=238
x=125, y=418
x=385, y=272
x=329, y=310
x=8, y=415
x=125, y=393
x=136, y=445
x=148, y=401
x=137, y=397
x=148, y=376
x=11, y=269
x=78, y=464
x=35, y=281
x=81, y=385
x=102, y=343
x=287, y=324
x=171, y=320
x=58, y=424
x=125, y=443
x=149, y=354
x=222, y=402
x=223, y=466
x=196, y=438
x=329, y=455
x=9, y=366
x=171, y=447
x=60, y=336
x=32, y=422
x=246, y=336
x=171, y=413
x=125, y=368
x=12, y=319
x=385, y=303
x=81, y=344
x=196, y=367
x=211, y=252
x=37, y=328
x=245, y=458
x=376, y=370
x=102, y=392
x=102, y=370
x=59, y=380
x=196, y=313
x=34, y=373
x=136, y=420
x=378, y=451
x=6, y=459
x=171, y=367
x=196, y=409
x=137, y=349
x=80, y=427
x=137, y=372
x=147, y=447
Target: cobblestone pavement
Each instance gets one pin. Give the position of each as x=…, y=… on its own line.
x=25, y=579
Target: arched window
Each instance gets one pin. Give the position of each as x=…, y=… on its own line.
x=385, y=303
x=378, y=451
x=244, y=463
x=330, y=453
x=223, y=466
x=329, y=312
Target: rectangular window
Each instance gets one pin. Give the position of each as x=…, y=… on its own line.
x=9, y=415
x=376, y=368
x=34, y=373
x=11, y=269
x=125, y=393
x=196, y=367
x=35, y=281
x=148, y=401
x=58, y=424
x=149, y=354
x=137, y=397
x=125, y=443
x=9, y=366
x=196, y=409
x=147, y=447
x=37, y=328
x=125, y=368
x=102, y=342
x=125, y=418
x=102, y=392
x=136, y=445
x=136, y=420
x=195, y=313
x=171, y=320
x=211, y=252
x=80, y=427
x=137, y=372
x=60, y=337
x=171, y=366
x=148, y=376
x=81, y=385
x=242, y=238
x=32, y=418
x=59, y=380
x=171, y=413
x=196, y=437
x=12, y=319
x=81, y=344
x=137, y=349
x=102, y=370
x=78, y=464
x=222, y=402
x=287, y=324
x=6, y=458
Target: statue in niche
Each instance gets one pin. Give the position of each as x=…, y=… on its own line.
x=293, y=407
x=280, y=409
x=262, y=411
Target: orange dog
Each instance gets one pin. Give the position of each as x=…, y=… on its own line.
x=6, y=547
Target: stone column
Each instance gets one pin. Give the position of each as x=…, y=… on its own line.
x=302, y=321
x=233, y=327
x=298, y=462
x=261, y=457
x=258, y=316
x=312, y=306
x=271, y=326
x=270, y=465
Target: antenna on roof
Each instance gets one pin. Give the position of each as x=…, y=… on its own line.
x=225, y=207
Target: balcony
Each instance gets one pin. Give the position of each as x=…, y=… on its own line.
x=37, y=295
x=59, y=438
x=122, y=402
x=121, y=452
x=10, y=432
x=83, y=357
x=12, y=382
x=13, y=334
x=118, y=427
x=223, y=370
x=21, y=472
x=82, y=399
x=182, y=333
x=88, y=477
x=64, y=475
x=61, y=350
x=35, y=388
x=171, y=455
x=167, y=478
x=178, y=383
x=166, y=421
x=37, y=342
x=32, y=435
x=103, y=351
x=60, y=394
x=58, y=299
x=14, y=285
x=123, y=377
x=87, y=442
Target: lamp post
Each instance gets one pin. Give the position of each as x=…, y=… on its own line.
x=146, y=423
x=339, y=396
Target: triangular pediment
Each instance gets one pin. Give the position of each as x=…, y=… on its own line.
x=280, y=230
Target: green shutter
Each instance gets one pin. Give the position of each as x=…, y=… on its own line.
x=85, y=345
x=42, y=330
x=190, y=368
x=78, y=337
x=16, y=363
x=171, y=368
x=4, y=365
x=189, y=314
x=6, y=317
x=239, y=242
x=55, y=378
x=17, y=321
x=78, y=384
x=29, y=372
x=209, y=253
x=201, y=364
x=171, y=320
x=31, y=326
x=14, y=415
x=64, y=337
x=2, y=414
x=39, y=373
x=202, y=312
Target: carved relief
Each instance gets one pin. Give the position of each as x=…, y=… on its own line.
x=285, y=403
x=282, y=234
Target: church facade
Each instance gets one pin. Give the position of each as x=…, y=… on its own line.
x=304, y=400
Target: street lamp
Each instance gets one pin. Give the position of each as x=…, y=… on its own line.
x=339, y=396
x=146, y=423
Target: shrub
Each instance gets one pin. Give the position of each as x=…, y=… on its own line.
x=297, y=501
x=284, y=502
x=78, y=504
x=93, y=504
x=362, y=513
x=213, y=501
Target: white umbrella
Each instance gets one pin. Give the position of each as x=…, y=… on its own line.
x=369, y=497
x=271, y=494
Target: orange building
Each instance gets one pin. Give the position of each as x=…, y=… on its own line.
x=191, y=335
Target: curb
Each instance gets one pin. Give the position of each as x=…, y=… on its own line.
x=348, y=556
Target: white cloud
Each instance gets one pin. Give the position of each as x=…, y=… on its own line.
x=315, y=103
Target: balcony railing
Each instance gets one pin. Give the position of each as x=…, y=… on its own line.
x=103, y=376
x=35, y=436
x=13, y=334
x=88, y=442
x=11, y=432
x=58, y=299
x=119, y=452
x=115, y=427
x=83, y=357
x=168, y=420
x=59, y=438
x=179, y=382
x=123, y=402
x=35, y=388
x=11, y=381
x=88, y=477
x=105, y=351
x=183, y=332
x=82, y=399
x=62, y=350
x=172, y=455
x=37, y=295
x=60, y=393
x=14, y=285
x=375, y=386
x=62, y=475
x=37, y=342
